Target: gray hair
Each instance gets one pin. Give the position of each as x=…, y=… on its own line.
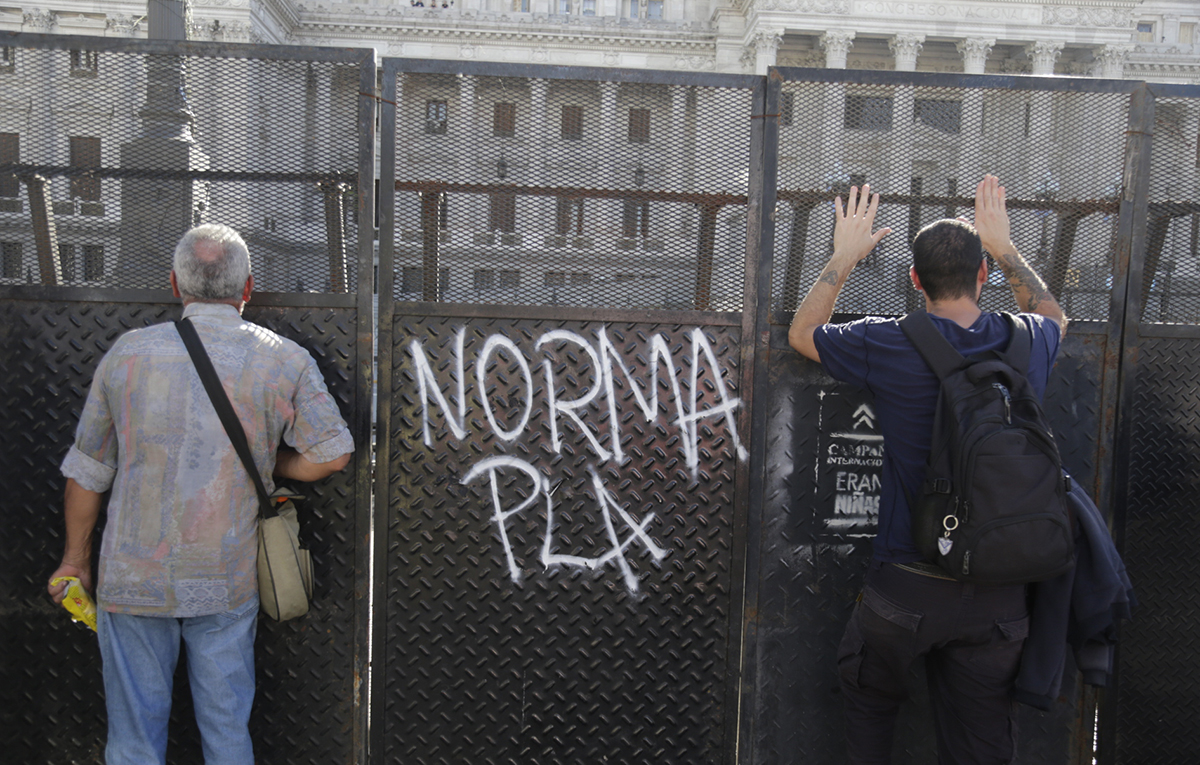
x=222, y=278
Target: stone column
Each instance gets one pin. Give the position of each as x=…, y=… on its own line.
x=157, y=208
x=463, y=128
x=610, y=132
x=540, y=123
x=836, y=44
x=676, y=176
x=974, y=51
x=765, y=46
x=1043, y=54
x=902, y=136
x=906, y=48
x=1112, y=61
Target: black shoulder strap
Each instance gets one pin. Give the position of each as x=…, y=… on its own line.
x=220, y=402
x=1020, y=345
x=937, y=351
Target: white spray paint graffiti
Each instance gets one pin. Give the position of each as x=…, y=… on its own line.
x=609, y=371
x=687, y=409
x=539, y=486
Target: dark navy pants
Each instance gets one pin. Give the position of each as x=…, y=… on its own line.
x=970, y=637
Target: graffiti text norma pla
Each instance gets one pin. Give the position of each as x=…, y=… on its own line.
x=599, y=401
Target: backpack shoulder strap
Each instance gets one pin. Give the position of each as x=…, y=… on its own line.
x=1020, y=345
x=937, y=351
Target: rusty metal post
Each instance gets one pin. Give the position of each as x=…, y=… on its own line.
x=45, y=233
x=335, y=232
x=704, y=257
x=1064, y=243
x=430, y=234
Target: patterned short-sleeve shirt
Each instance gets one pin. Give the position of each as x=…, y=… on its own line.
x=180, y=539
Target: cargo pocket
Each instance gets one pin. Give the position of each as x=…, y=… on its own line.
x=1014, y=631
x=891, y=611
x=851, y=649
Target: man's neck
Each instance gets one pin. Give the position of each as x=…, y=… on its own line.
x=238, y=304
x=962, y=311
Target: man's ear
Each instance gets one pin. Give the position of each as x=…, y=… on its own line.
x=248, y=289
x=916, y=280
x=175, y=285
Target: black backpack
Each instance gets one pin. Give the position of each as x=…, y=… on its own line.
x=992, y=508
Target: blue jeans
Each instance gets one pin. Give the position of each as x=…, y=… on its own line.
x=140, y=654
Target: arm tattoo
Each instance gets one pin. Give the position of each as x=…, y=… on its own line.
x=829, y=277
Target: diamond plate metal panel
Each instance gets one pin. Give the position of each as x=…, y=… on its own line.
x=1159, y=669
x=513, y=637
x=51, y=695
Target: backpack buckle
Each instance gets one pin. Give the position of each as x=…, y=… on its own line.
x=939, y=486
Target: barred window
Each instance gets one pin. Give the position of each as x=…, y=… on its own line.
x=85, y=154
x=66, y=261
x=868, y=112
x=10, y=154
x=510, y=279
x=945, y=116
x=84, y=63
x=635, y=219
x=10, y=265
x=502, y=212
x=412, y=279
x=568, y=216
x=504, y=120
x=787, y=106
x=572, y=123
x=436, y=117
x=639, y=126
x=484, y=278
x=93, y=262
x=8, y=59
x=1145, y=31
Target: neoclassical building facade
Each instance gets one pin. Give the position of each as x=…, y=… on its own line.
x=1155, y=40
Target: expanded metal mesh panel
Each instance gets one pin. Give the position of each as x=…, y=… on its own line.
x=52, y=708
x=815, y=546
x=1160, y=671
x=548, y=600
x=524, y=190
x=1171, y=281
x=924, y=149
x=110, y=155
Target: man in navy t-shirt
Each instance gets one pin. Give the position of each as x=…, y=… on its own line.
x=969, y=635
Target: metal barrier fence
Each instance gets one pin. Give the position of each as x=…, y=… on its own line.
x=564, y=475
x=606, y=522
x=109, y=151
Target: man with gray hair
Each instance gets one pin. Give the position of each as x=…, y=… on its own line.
x=178, y=554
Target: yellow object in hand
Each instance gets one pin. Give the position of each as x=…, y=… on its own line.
x=77, y=601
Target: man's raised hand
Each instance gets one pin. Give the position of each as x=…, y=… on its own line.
x=852, y=235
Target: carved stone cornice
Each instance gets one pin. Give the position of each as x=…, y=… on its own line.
x=40, y=20
x=1043, y=54
x=1087, y=16
x=696, y=63
x=841, y=7
x=906, y=48
x=975, y=51
x=836, y=44
x=122, y=25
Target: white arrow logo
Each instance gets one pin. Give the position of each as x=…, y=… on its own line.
x=864, y=416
